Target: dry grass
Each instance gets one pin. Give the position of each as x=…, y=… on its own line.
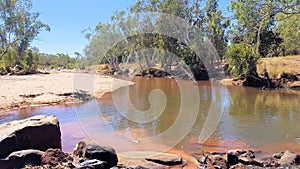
x=279, y=65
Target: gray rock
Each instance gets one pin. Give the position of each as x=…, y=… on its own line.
x=202, y=159
x=21, y=158
x=278, y=155
x=289, y=158
x=90, y=150
x=39, y=132
x=137, y=160
x=165, y=159
x=236, y=151
x=250, y=161
x=93, y=164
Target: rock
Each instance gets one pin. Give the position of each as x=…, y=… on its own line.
x=137, y=160
x=248, y=154
x=236, y=152
x=218, y=161
x=90, y=150
x=250, y=161
x=53, y=157
x=278, y=155
x=165, y=159
x=202, y=159
x=94, y=164
x=232, y=159
x=19, y=159
x=39, y=132
x=289, y=158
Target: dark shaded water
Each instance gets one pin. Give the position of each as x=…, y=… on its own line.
x=159, y=114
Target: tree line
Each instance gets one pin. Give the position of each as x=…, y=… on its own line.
x=252, y=29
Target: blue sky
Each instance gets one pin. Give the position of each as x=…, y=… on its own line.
x=68, y=18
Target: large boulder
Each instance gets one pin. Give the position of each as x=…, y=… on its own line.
x=21, y=158
x=90, y=150
x=39, y=132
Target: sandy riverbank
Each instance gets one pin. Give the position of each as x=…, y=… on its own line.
x=54, y=88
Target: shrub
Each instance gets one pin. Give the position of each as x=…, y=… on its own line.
x=242, y=60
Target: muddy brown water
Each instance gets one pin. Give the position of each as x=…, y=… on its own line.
x=169, y=115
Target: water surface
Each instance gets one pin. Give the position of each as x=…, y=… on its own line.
x=143, y=116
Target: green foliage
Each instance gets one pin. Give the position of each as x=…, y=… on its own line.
x=215, y=25
x=252, y=17
x=270, y=44
x=288, y=28
x=9, y=59
x=242, y=58
x=59, y=60
x=151, y=49
x=18, y=26
x=31, y=60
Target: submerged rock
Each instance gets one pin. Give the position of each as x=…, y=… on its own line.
x=39, y=132
x=165, y=159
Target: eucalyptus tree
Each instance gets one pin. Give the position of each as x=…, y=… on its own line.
x=215, y=26
x=18, y=26
x=288, y=28
x=252, y=17
x=253, y=22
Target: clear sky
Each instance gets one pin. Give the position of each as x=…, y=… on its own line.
x=68, y=18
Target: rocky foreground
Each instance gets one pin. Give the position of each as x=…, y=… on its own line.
x=35, y=143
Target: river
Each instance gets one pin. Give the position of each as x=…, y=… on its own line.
x=164, y=114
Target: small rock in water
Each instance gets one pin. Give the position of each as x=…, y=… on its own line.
x=165, y=159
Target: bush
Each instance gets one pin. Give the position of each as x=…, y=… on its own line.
x=242, y=60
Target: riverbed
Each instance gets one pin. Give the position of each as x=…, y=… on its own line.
x=171, y=115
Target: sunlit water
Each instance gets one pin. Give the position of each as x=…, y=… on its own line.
x=158, y=114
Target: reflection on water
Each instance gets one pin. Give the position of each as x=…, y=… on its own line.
x=267, y=120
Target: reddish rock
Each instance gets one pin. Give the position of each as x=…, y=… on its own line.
x=53, y=157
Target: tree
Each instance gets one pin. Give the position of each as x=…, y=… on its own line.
x=270, y=44
x=18, y=26
x=252, y=17
x=288, y=28
x=215, y=25
x=242, y=60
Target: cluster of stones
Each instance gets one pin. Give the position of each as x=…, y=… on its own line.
x=236, y=159
x=35, y=143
